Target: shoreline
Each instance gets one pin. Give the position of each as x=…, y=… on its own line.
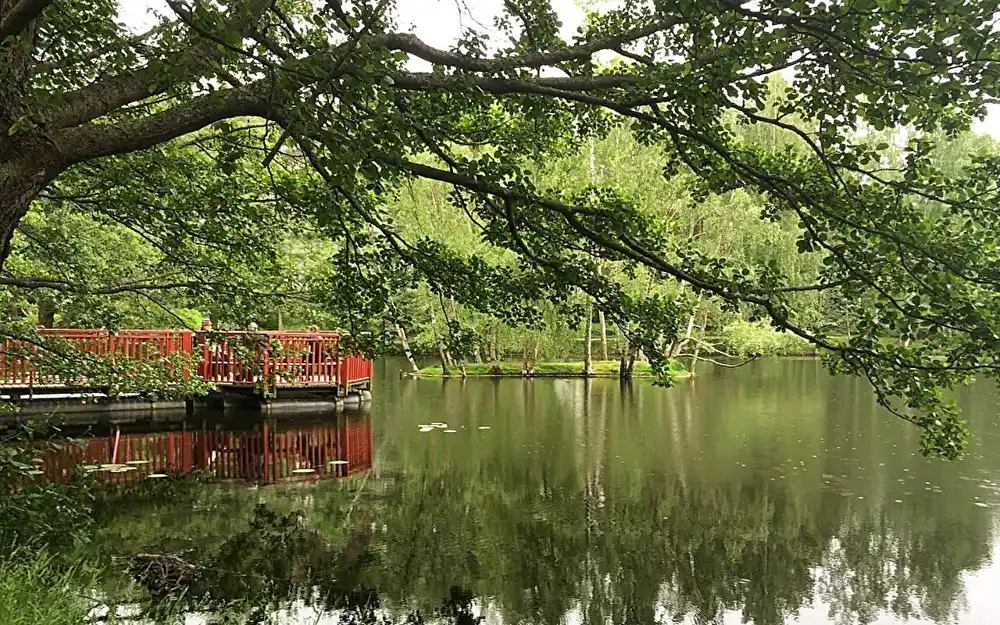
x=568, y=370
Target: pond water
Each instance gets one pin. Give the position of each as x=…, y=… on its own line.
x=770, y=494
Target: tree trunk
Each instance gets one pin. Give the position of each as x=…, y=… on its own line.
x=19, y=184
x=697, y=347
x=588, y=359
x=442, y=352
x=405, y=344
x=694, y=358
x=604, y=335
x=281, y=326
x=46, y=313
x=626, y=366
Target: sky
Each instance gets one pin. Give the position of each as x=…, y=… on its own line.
x=440, y=22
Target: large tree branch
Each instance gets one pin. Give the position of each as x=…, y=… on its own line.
x=95, y=140
x=79, y=288
x=410, y=44
x=105, y=96
x=549, y=86
x=76, y=288
x=20, y=16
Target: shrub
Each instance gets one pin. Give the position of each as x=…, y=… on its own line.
x=37, y=516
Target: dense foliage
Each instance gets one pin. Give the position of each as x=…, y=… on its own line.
x=312, y=115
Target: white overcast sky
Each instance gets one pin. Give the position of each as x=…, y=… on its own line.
x=440, y=22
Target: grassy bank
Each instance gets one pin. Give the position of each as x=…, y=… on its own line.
x=602, y=369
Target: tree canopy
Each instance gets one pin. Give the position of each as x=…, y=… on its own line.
x=312, y=113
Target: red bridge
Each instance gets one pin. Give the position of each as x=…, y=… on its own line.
x=262, y=360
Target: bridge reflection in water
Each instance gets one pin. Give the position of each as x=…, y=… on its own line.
x=265, y=451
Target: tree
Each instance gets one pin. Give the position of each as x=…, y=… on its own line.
x=77, y=90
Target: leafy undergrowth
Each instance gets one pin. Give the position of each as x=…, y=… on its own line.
x=604, y=369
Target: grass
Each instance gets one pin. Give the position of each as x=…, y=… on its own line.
x=34, y=592
x=602, y=369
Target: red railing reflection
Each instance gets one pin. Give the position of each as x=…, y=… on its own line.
x=265, y=455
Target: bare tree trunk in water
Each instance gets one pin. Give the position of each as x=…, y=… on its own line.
x=524, y=361
x=534, y=356
x=588, y=357
x=405, y=344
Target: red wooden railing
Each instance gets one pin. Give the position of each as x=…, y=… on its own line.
x=17, y=358
x=263, y=455
x=268, y=359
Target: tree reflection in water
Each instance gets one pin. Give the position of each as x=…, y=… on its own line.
x=620, y=507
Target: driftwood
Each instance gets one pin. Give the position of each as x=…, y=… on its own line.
x=162, y=573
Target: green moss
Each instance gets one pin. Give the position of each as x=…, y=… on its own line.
x=602, y=369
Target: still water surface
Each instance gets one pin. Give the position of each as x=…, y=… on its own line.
x=770, y=494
